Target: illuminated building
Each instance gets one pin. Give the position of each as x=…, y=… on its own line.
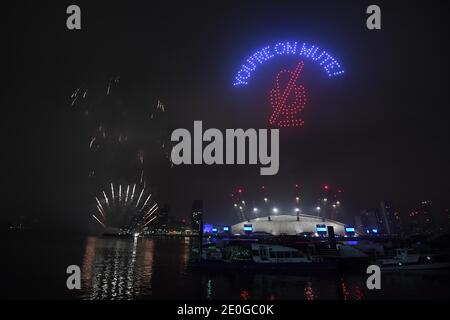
x=350, y=231
x=421, y=219
x=197, y=215
x=287, y=225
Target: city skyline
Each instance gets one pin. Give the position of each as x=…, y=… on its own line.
x=226, y=158
x=374, y=146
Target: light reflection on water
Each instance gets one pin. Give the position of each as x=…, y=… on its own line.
x=117, y=268
x=121, y=268
x=127, y=268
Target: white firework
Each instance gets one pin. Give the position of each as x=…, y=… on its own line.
x=125, y=210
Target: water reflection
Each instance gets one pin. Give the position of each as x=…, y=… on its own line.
x=117, y=268
x=185, y=250
x=209, y=289
x=251, y=286
x=120, y=268
x=126, y=268
x=309, y=291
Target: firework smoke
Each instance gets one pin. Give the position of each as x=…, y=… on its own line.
x=124, y=141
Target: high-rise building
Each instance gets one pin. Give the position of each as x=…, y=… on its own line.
x=197, y=215
x=389, y=219
x=427, y=215
x=421, y=219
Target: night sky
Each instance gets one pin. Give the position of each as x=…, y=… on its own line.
x=380, y=131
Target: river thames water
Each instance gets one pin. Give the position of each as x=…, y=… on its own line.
x=34, y=267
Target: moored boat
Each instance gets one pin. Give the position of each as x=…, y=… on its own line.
x=409, y=259
x=261, y=257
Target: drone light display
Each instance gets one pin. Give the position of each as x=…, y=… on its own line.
x=288, y=98
x=330, y=65
x=284, y=112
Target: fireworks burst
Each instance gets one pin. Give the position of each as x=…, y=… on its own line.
x=125, y=207
x=125, y=141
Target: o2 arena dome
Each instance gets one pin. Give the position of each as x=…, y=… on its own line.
x=301, y=224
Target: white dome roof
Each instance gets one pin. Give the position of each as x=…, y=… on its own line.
x=288, y=224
